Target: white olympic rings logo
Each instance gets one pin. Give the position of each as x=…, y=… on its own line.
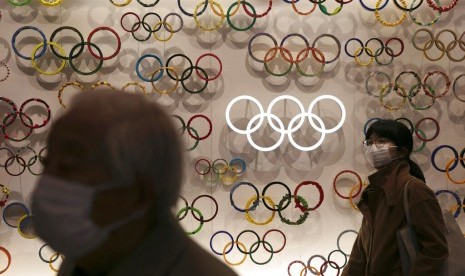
x=295, y=123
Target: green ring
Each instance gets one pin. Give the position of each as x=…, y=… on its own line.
x=258, y=242
x=422, y=144
x=232, y=25
x=196, y=141
x=185, y=209
x=302, y=218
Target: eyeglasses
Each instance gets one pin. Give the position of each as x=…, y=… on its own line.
x=378, y=143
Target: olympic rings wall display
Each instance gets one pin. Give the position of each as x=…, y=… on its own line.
x=175, y=73
x=191, y=131
x=20, y=156
x=124, y=3
x=374, y=54
x=40, y=49
x=151, y=30
x=49, y=260
x=8, y=119
x=196, y=213
x=220, y=170
x=405, y=92
x=247, y=250
x=443, y=47
x=296, y=122
x=298, y=60
x=254, y=201
x=326, y=261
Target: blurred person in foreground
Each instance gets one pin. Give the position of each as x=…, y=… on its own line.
x=387, y=148
x=105, y=201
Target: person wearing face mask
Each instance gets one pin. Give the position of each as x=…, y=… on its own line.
x=387, y=148
x=111, y=179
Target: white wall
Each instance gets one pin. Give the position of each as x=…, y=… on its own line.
x=243, y=76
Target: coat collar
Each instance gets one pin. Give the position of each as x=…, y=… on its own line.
x=391, y=179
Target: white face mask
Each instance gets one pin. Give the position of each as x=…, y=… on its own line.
x=379, y=155
x=62, y=212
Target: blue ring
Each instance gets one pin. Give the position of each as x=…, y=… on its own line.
x=15, y=203
x=242, y=162
x=435, y=151
x=457, y=198
x=366, y=124
x=370, y=9
x=347, y=42
x=139, y=73
x=219, y=232
x=255, y=203
x=13, y=42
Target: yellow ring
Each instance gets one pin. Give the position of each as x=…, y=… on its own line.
x=247, y=212
x=451, y=161
x=170, y=31
x=51, y=3
x=100, y=83
x=389, y=107
x=218, y=25
x=243, y=248
x=358, y=51
x=122, y=4
x=137, y=84
x=60, y=92
x=19, y=228
x=51, y=261
x=390, y=24
x=166, y=91
x=219, y=14
x=34, y=64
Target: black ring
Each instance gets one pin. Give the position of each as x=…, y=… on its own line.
x=343, y=254
x=277, y=208
x=149, y=29
x=135, y=27
x=43, y=259
x=66, y=28
x=237, y=241
x=178, y=55
x=410, y=124
x=376, y=52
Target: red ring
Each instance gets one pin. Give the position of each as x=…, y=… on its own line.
x=189, y=127
x=401, y=46
x=320, y=190
x=118, y=48
x=275, y=230
x=34, y=126
x=8, y=255
x=417, y=127
x=359, y=182
x=207, y=171
x=244, y=6
x=121, y=22
x=197, y=64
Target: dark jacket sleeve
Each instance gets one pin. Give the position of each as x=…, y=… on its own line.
x=357, y=261
x=429, y=226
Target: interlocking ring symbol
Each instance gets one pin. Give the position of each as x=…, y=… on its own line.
x=296, y=122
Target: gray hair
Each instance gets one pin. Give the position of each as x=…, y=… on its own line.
x=140, y=140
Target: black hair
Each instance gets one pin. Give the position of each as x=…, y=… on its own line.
x=400, y=135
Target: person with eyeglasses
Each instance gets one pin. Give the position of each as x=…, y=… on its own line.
x=387, y=148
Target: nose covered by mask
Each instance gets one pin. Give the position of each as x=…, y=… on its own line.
x=62, y=212
x=380, y=155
